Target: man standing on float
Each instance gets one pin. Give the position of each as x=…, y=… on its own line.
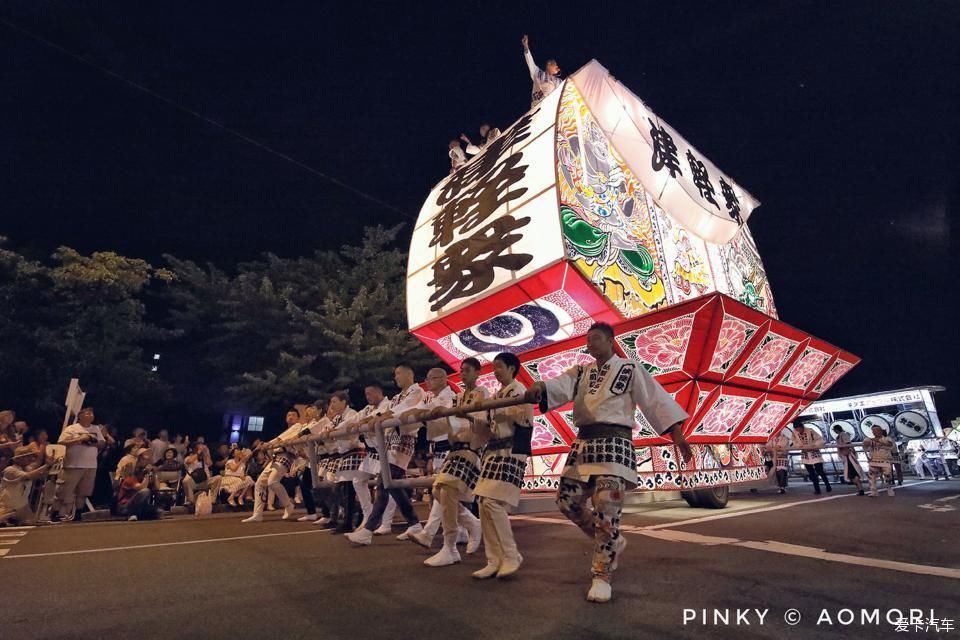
x=601, y=464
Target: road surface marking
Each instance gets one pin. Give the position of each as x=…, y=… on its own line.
x=747, y=512
x=12, y=534
x=717, y=516
x=161, y=544
x=801, y=551
x=4, y=552
x=8, y=541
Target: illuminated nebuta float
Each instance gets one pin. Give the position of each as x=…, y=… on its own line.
x=591, y=208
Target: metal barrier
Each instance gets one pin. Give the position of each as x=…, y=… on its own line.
x=377, y=429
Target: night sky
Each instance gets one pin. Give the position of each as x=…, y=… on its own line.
x=841, y=117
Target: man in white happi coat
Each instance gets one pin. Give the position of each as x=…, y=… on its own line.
x=443, y=438
x=601, y=465
x=283, y=458
x=879, y=450
x=369, y=467
x=349, y=455
x=809, y=443
x=508, y=432
x=545, y=81
x=401, y=442
x=852, y=472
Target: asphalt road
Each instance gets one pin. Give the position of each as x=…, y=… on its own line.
x=217, y=578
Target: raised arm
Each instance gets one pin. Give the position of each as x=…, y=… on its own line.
x=536, y=73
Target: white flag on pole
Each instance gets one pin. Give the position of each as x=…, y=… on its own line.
x=74, y=400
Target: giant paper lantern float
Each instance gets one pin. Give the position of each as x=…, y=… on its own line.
x=591, y=208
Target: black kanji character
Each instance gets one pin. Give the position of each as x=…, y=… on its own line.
x=468, y=266
x=732, y=202
x=701, y=179
x=477, y=189
x=479, y=201
x=664, y=150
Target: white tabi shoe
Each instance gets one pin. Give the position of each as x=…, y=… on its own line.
x=474, y=538
x=421, y=539
x=444, y=558
x=600, y=591
x=618, y=550
x=322, y=521
x=361, y=536
x=288, y=511
x=417, y=528
x=254, y=518
x=890, y=492
x=487, y=572
x=509, y=566
x=383, y=529
x=310, y=517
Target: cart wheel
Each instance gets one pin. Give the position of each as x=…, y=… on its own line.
x=713, y=497
x=691, y=497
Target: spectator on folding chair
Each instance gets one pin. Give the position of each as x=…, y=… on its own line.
x=236, y=482
x=170, y=461
x=136, y=492
x=17, y=483
x=41, y=439
x=127, y=463
x=196, y=464
x=169, y=477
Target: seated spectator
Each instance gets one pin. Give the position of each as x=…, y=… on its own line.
x=220, y=458
x=16, y=484
x=159, y=445
x=235, y=479
x=128, y=462
x=197, y=467
x=135, y=495
x=180, y=443
x=138, y=438
x=170, y=460
x=41, y=439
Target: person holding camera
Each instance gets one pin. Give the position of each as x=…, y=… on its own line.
x=197, y=464
x=83, y=441
x=135, y=495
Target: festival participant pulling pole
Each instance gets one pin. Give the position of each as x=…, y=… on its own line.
x=377, y=429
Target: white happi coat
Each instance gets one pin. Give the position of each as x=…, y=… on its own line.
x=780, y=447
x=287, y=456
x=501, y=474
x=848, y=456
x=607, y=394
x=437, y=429
x=807, y=438
x=879, y=452
x=401, y=441
x=371, y=462
x=461, y=468
x=348, y=458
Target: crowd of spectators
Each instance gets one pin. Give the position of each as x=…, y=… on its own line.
x=138, y=477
